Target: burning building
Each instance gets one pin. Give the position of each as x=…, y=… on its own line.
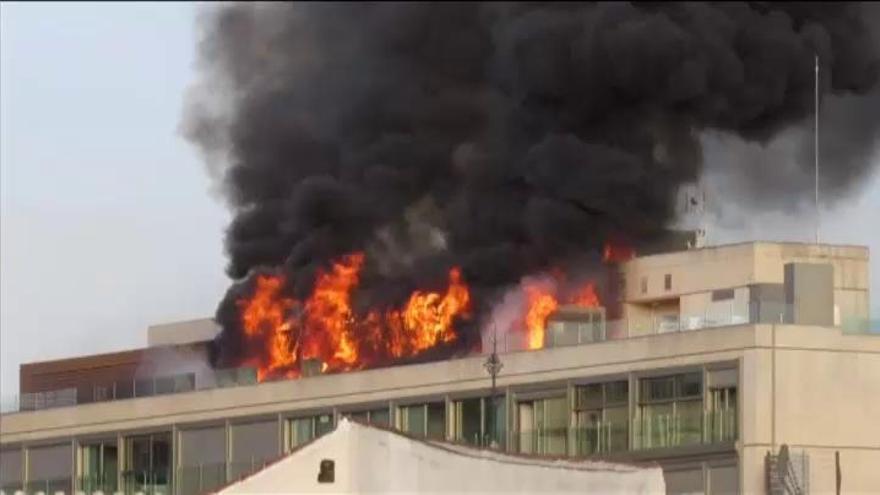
x=716, y=358
x=413, y=185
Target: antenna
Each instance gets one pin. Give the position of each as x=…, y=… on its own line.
x=816, y=142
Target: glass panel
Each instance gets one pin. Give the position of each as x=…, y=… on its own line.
x=414, y=419
x=721, y=417
x=302, y=431
x=360, y=416
x=589, y=396
x=148, y=462
x=161, y=463
x=587, y=433
x=555, y=426
x=380, y=417
x=98, y=469
x=144, y=387
x=616, y=428
x=690, y=385
x=498, y=420
x=468, y=421
x=655, y=389
x=203, y=446
x=526, y=427
x=437, y=420
x=617, y=392
x=689, y=422
x=554, y=332
x=10, y=470
x=324, y=424
x=656, y=426
x=253, y=444
x=164, y=385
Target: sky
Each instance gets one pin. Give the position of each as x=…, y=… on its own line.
x=108, y=221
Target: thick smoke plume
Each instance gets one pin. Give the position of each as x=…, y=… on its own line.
x=504, y=138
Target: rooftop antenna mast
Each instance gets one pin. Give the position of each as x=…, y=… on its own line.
x=816, y=141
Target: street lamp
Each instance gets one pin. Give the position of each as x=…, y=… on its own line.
x=493, y=366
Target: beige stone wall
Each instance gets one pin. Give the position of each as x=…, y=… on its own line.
x=816, y=391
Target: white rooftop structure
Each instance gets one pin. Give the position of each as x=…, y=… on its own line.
x=367, y=459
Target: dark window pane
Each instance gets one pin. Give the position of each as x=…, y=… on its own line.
x=722, y=295
x=667, y=282
x=324, y=424
x=143, y=387
x=469, y=427
x=164, y=385
x=690, y=385
x=380, y=417
x=589, y=396
x=654, y=389
x=617, y=392
x=414, y=419
x=436, y=420
x=361, y=416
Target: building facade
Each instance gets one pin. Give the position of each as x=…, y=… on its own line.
x=717, y=358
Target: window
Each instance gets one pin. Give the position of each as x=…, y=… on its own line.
x=97, y=470
x=303, y=430
x=49, y=468
x=147, y=463
x=424, y=420
x=667, y=281
x=468, y=421
x=602, y=417
x=721, y=422
x=722, y=295
x=10, y=470
x=644, y=285
x=252, y=445
x=670, y=411
x=475, y=423
x=378, y=416
x=543, y=426
x=201, y=466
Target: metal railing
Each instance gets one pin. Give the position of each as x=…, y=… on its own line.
x=657, y=431
x=49, y=486
x=103, y=482
x=684, y=428
x=148, y=482
x=193, y=480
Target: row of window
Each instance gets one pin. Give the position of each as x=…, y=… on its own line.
x=581, y=420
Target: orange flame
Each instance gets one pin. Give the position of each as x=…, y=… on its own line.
x=542, y=303
x=329, y=330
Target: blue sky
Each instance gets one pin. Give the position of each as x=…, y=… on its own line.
x=108, y=220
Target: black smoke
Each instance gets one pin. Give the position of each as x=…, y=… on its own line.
x=505, y=138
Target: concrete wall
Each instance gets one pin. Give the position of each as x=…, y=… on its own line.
x=183, y=332
x=816, y=391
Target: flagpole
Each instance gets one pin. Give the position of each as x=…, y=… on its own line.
x=816, y=142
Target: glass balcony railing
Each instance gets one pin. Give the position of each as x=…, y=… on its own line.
x=239, y=469
x=155, y=482
x=105, y=483
x=49, y=486
x=684, y=428
x=194, y=480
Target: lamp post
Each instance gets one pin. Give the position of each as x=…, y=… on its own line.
x=493, y=366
